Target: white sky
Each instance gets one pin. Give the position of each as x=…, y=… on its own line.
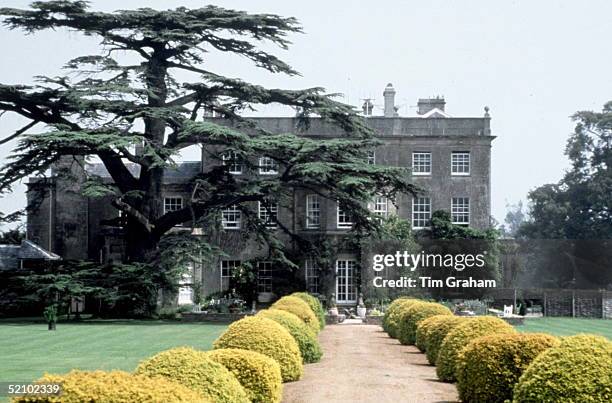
x=533, y=63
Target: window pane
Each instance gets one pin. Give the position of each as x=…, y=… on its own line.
x=460, y=163
x=313, y=211
x=421, y=212
x=268, y=213
x=230, y=217
x=267, y=166
x=233, y=161
x=421, y=163
x=264, y=276
x=460, y=210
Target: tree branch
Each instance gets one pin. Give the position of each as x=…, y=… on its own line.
x=19, y=132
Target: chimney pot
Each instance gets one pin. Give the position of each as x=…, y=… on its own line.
x=389, y=95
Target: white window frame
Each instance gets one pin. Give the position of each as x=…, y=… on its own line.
x=371, y=159
x=233, y=160
x=225, y=271
x=345, y=216
x=458, y=163
x=421, y=212
x=231, y=217
x=419, y=160
x=172, y=203
x=380, y=206
x=460, y=207
x=312, y=276
x=268, y=166
x=268, y=212
x=185, y=294
x=313, y=211
x=346, y=287
x=264, y=276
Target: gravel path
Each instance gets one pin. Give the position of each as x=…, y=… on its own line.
x=362, y=364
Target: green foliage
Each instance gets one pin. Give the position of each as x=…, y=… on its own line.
x=393, y=314
x=410, y=317
x=490, y=366
x=303, y=335
x=259, y=375
x=314, y=304
x=460, y=336
x=195, y=370
x=12, y=236
x=267, y=337
x=300, y=309
x=423, y=328
x=157, y=102
x=113, y=387
x=436, y=334
x=578, y=370
x=50, y=313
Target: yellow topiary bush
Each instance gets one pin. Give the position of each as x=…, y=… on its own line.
x=577, y=370
x=310, y=349
x=393, y=313
x=412, y=315
x=436, y=334
x=259, y=375
x=314, y=304
x=489, y=366
x=267, y=337
x=460, y=336
x=114, y=387
x=300, y=309
x=423, y=329
x=193, y=369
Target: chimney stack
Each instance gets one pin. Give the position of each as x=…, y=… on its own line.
x=389, y=95
x=427, y=104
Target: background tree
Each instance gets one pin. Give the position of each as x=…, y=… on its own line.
x=110, y=104
x=12, y=237
x=578, y=209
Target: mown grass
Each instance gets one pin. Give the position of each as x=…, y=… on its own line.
x=567, y=326
x=27, y=349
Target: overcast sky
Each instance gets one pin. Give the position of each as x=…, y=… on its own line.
x=534, y=63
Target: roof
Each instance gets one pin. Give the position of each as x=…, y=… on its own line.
x=182, y=172
x=435, y=113
x=10, y=255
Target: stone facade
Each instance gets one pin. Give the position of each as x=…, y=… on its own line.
x=452, y=154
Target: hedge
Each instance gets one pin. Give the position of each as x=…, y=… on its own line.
x=310, y=349
x=436, y=334
x=577, y=370
x=195, y=370
x=393, y=313
x=460, y=336
x=314, y=304
x=411, y=316
x=113, y=387
x=423, y=329
x=299, y=308
x=267, y=337
x=489, y=366
x=259, y=375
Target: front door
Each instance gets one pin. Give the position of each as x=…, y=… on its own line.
x=346, y=290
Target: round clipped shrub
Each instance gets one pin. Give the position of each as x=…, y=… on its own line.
x=412, y=315
x=300, y=309
x=460, y=336
x=423, y=330
x=310, y=349
x=577, y=370
x=393, y=313
x=267, y=337
x=259, y=375
x=113, y=387
x=193, y=369
x=437, y=333
x=489, y=366
x=314, y=304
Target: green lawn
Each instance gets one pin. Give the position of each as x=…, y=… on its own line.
x=27, y=349
x=568, y=326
